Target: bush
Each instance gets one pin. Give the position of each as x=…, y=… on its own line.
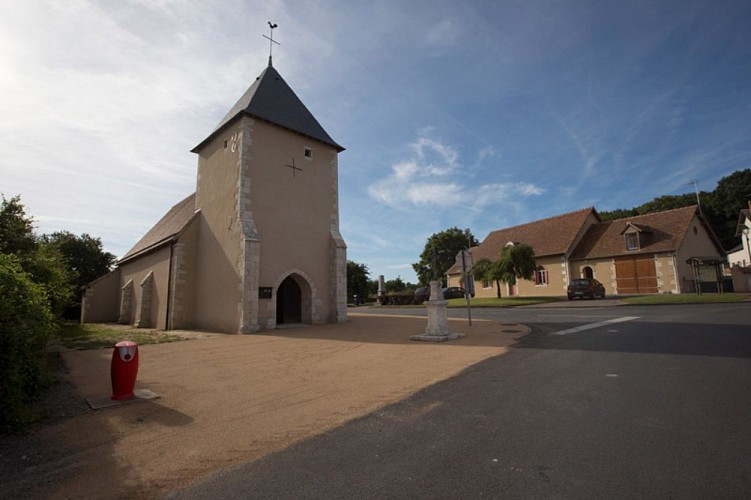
x=401, y=299
x=26, y=324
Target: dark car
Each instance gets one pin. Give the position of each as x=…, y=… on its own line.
x=585, y=287
x=422, y=293
x=453, y=292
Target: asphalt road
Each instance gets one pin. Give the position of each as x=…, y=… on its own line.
x=604, y=402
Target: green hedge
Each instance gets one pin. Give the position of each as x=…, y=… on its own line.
x=400, y=299
x=26, y=324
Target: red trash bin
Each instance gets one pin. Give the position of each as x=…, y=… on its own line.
x=124, y=369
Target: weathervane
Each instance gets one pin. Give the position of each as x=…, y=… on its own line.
x=270, y=38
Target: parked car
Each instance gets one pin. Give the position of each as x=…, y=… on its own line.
x=585, y=287
x=423, y=293
x=453, y=292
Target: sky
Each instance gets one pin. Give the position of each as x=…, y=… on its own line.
x=479, y=115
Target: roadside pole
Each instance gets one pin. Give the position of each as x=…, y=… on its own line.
x=465, y=256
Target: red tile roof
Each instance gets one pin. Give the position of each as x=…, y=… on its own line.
x=661, y=232
x=551, y=236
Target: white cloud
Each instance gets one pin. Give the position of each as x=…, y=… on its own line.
x=413, y=181
x=504, y=193
x=443, y=33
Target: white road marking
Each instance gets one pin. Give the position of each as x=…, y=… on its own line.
x=595, y=325
x=573, y=315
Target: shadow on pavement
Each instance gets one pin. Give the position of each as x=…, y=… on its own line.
x=729, y=341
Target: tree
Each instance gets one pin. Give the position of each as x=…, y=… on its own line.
x=44, y=265
x=83, y=254
x=618, y=213
x=517, y=261
x=669, y=202
x=440, y=252
x=357, y=279
x=487, y=270
x=16, y=228
x=85, y=261
x=47, y=268
x=729, y=197
x=731, y=194
x=396, y=285
x=26, y=324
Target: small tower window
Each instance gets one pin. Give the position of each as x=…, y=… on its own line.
x=308, y=153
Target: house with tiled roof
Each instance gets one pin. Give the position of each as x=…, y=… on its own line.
x=649, y=253
x=739, y=258
x=257, y=245
x=741, y=255
x=553, y=240
x=664, y=252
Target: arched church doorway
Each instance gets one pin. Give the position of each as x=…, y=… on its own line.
x=288, y=302
x=588, y=273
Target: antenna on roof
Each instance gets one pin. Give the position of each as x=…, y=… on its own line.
x=696, y=188
x=270, y=38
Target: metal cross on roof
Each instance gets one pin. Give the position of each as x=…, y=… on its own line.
x=293, y=167
x=270, y=38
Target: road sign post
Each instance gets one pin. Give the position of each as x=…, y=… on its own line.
x=464, y=260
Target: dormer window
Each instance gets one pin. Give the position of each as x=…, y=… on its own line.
x=632, y=241
x=633, y=234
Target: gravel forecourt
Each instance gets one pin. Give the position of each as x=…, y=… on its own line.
x=226, y=400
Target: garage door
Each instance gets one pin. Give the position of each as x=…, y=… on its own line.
x=635, y=275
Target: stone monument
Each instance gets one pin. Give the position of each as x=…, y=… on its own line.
x=438, y=324
x=381, y=286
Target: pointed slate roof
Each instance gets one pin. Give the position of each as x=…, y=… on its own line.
x=666, y=233
x=166, y=229
x=270, y=98
x=551, y=236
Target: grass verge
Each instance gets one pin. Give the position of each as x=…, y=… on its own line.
x=95, y=336
x=503, y=301
x=707, y=298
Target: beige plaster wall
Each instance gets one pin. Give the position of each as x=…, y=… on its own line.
x=666, y=275
x=480, y=291
x=217, y=283
x=603, y=270
x=157, y=262
x=101, y=300
x=261, y=221
x=557, y=280
x=183, y=298
x=556, y=286
x=696, y=243
x=293, y=212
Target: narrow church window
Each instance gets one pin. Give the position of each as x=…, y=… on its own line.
x=309, y=153
x=225, y=143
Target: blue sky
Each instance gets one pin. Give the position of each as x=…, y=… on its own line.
x=480, y=115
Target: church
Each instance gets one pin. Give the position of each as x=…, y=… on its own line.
x=258, y=243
